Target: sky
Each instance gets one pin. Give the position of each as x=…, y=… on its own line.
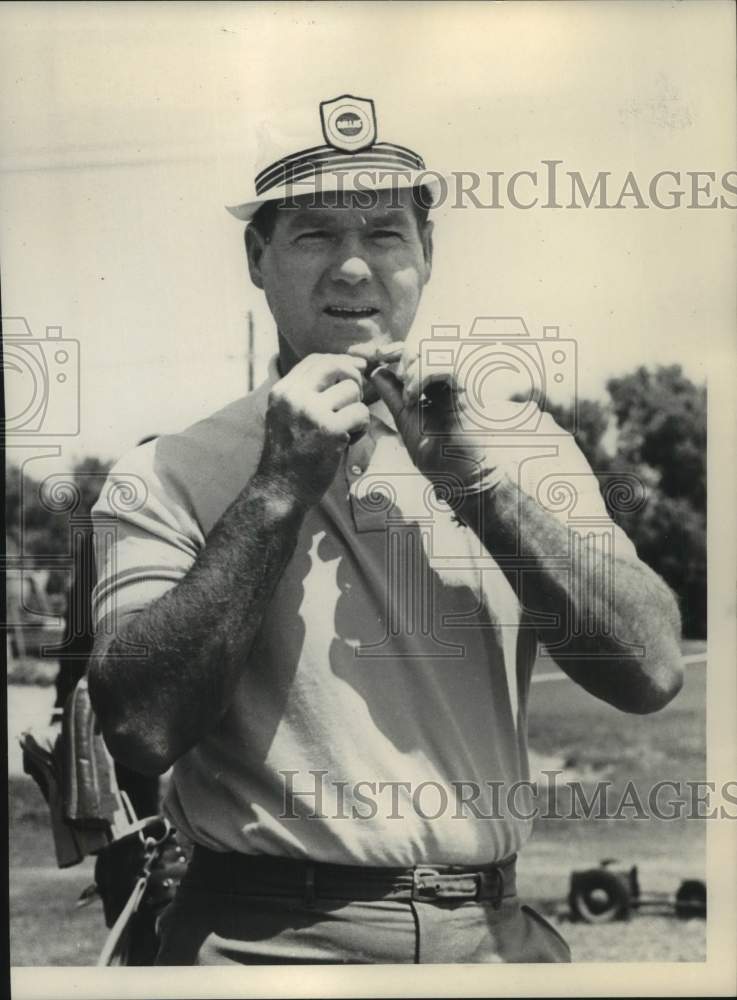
x=125, y=129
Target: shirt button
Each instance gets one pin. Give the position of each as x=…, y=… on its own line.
x=356, y=470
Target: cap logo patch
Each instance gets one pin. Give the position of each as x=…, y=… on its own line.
x=348, y=123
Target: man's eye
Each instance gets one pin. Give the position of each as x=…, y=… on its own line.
x=386, y=235
x=313, y=237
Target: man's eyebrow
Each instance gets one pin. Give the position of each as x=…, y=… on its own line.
x=311, y=218
x=314, y=218
x=389, y=217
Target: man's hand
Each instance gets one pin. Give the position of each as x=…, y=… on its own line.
x=313, y=413
x=428, y=409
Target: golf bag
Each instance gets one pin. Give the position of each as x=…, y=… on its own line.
x=139, y=862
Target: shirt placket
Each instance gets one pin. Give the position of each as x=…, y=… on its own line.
x=375, y=468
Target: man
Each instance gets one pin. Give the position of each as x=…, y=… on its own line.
x=321, y=618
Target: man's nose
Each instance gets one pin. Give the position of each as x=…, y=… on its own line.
x=350, y=265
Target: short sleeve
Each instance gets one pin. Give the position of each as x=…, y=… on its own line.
x=146, y=535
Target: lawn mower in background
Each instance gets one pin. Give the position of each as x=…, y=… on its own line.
x=601, y=895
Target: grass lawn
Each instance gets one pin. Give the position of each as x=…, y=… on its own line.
x=597, y=741
x=46, y=928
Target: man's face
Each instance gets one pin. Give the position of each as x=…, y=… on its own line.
x=340, y=275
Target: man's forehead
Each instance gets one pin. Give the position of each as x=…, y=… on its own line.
x=385, y=204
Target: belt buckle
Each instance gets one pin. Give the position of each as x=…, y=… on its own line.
x=430, y=884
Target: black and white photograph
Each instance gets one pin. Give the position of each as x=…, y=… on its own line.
x=369, y=374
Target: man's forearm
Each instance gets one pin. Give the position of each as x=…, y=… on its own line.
x=156, y=706
x=616, y=624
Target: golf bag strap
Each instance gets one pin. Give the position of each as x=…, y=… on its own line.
x=115, y=947
x=113, y=951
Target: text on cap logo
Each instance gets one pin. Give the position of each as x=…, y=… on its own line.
x=348, y=122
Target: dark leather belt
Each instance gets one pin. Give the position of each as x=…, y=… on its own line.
x=264, y=875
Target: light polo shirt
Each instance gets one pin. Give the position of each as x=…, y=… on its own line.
x=380, y=717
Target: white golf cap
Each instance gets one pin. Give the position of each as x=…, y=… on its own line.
x=334, y=147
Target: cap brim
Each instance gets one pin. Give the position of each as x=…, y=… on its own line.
x=344, y=181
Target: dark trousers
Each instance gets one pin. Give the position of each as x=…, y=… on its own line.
x=216, y=923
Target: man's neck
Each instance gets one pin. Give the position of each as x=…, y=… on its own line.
x=287, y=358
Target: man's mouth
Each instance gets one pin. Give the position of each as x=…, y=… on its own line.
x=350, y=312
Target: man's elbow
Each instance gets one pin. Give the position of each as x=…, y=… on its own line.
x=641, y=685
x=661, y=673
x=660, y=679
x=137, y=753
x=130, y=738
x=661, y=689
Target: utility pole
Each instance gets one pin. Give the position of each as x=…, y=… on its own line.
x=250, y=351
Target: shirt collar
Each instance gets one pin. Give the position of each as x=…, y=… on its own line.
x=272, y=372
x=381, y=412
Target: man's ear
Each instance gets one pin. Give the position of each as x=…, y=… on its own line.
x=427, y=248
x=255, y=246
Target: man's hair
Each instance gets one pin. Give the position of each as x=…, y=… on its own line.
x=264, y=219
